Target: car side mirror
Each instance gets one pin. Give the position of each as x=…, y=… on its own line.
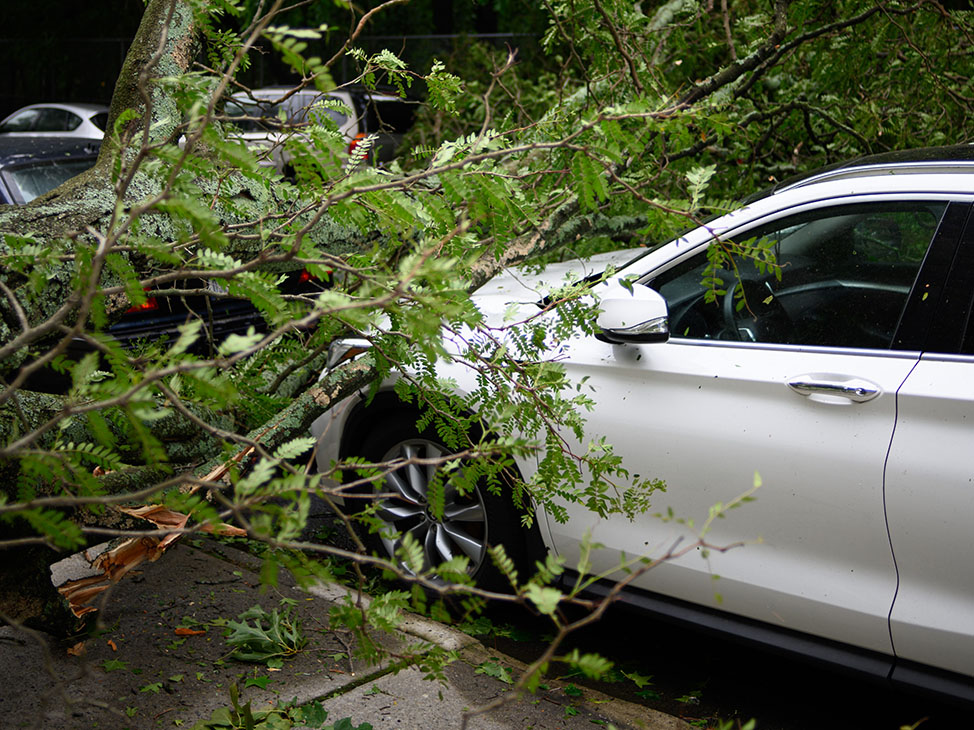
x=637, y=315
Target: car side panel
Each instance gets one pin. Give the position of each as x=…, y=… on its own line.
x=811, y=553
x=930, y=511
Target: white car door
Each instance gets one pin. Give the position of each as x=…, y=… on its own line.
x=799, y=387
x=930, y=488
x=930, y=506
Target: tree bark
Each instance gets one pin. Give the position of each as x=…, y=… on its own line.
x=95, y=211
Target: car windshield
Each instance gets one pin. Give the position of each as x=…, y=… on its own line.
x=254, y=117
x=36, y=180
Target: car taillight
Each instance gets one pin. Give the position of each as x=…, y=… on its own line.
x=354, y=143
x=306, y=276
x=149, y=305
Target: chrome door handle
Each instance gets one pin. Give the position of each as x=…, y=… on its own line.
x=858, y=391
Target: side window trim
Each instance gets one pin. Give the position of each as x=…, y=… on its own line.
x=902, y=328
x=952, y=328
x=918, y=323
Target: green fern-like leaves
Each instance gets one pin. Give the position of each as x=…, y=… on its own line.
x=589, y=181
x=54, y=526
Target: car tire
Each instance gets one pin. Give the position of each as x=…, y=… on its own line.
x=471, y=523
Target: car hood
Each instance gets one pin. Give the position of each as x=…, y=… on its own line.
x=520, y=289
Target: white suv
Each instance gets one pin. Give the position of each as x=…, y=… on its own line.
x=847, y=384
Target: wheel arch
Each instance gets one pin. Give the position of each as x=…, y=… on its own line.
x=386, y=404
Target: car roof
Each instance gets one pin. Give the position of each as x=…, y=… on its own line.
x=949, y=159
x=273, y=92
x=929, y=173
x=80, y=107
x=17, y=149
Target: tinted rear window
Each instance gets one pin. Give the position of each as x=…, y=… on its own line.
x=389, y=116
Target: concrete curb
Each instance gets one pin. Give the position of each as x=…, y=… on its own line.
x=145, y=670
x=620, y=712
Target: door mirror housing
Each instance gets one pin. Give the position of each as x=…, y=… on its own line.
x=636, y=314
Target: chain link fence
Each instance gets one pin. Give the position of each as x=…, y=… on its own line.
x=85, y=69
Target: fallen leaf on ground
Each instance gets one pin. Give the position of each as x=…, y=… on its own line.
x=183, y=631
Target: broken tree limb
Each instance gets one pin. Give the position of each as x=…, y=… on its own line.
x=115, y=563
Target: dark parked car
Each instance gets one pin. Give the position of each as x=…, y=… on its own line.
x=32, y=166
x=159, y=318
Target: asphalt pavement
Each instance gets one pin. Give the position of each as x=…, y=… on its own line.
x=160, y=660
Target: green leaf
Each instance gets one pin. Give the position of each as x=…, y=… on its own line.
x=640, y=680
x=294, y=448
x=588, y=179
x=55, y=526
x=592, y=666
x=259, y=475
x=346, y=724
x=313, y=714
x=238, y=343
x=545, y=598
x=126, y=272
x=495, y=670
x=698, y=178
x=272, y=636
x=189, y=333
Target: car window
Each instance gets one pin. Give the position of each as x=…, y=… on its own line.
x=264, y=116
x=315, y=111
x=100, y=120
x=36, y=180
x=393, y=115
x=71, y=121
x=837, y=277
x=22, y=122
x=56, y=120
x=254, y=117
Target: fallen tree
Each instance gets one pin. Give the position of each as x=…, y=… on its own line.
x=176, y=207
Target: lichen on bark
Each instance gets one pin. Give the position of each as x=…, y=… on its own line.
x=69, y=226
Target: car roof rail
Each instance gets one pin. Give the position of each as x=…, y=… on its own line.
x=927, y=160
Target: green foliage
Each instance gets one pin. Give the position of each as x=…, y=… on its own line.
x=282, y=716
x=545, y=599
x=495, y=670
x=591, y=665
x=385, y=65
x=443, y=88
x=732, y=725
x=272, y=637
x=619, y=137
x=291, y=43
